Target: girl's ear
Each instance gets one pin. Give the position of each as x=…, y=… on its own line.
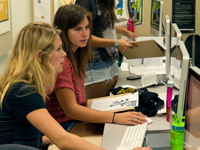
x=39, y=55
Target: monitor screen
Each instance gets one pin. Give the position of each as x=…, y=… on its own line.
x=156, y=17
x=192, y=121
x=129, y=9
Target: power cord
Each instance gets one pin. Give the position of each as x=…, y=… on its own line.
x=160, y=81
x=191, y=62
x=146, y=141
x=159, y=119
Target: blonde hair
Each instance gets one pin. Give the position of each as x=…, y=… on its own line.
x=23, y=65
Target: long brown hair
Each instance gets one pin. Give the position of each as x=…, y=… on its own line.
x=109, y=7
x=67, y=17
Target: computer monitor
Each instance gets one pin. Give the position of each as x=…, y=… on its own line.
x=176, y=32
x=156, y=17
x=167, y=44
x=175, y=64
x=182, y=57
x=129, y=9
x=192, y=107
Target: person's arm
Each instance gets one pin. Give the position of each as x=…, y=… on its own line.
x=45, y=123
x=73, y=110
x=126, y=33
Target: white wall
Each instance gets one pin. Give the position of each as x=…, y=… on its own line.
x=20, y=16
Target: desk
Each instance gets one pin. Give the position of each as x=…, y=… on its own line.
x=159, y=125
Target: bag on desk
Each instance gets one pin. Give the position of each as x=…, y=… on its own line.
x=149, y=102
x=174, y=104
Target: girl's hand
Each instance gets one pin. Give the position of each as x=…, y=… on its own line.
x=131, y=35
x=124, y=45
x=130, y=118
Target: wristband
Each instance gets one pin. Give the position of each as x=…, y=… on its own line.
x=113, y=118
x=116, y=44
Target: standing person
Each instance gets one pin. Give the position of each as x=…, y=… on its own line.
x=67, y=101
x=36, y=58
x=103, y=72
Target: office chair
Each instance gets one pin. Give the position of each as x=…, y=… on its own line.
x=192, y=44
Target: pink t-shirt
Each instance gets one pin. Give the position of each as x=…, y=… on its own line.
x=65, y=79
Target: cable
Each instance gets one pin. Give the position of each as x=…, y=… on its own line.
x=146, y=141
x=160, y=81
x=191, y=62
x=160, y=119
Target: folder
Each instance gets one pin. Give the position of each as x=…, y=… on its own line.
x=144, y=49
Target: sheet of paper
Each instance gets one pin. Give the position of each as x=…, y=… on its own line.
x=124, y=67
x=119, y=102
x=42, y=11
x=147, y=70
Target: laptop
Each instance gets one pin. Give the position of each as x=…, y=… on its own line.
x=113, y=133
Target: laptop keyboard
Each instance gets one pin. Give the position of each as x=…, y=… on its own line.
x=134, y=136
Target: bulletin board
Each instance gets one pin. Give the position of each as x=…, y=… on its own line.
x=144, y=29
x=3, y=10
x=5, y=24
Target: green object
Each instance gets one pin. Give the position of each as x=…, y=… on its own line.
x=177, y=134
x=133, y=5
x=120, y=11
x=174, y=117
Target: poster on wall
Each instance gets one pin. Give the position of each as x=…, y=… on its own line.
x=183, y=14
x=129, y=9
x=4, y=17
x=42, y=11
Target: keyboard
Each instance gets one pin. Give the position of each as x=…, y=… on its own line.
x=163, y=96
x=134, y=136
x=149, y=79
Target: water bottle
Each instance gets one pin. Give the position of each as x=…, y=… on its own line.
x=177, y=134
x=170, y=85
x=130, y=25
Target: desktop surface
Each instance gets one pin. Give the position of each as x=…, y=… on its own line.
x=113, y=133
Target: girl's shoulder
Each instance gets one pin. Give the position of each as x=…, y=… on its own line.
x=67, y=63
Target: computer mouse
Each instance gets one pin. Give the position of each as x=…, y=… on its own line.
x=149, y=120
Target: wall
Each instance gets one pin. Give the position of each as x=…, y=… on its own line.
x=21, y=14
x=144, y=29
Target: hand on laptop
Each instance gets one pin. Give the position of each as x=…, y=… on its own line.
x=130, y=118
